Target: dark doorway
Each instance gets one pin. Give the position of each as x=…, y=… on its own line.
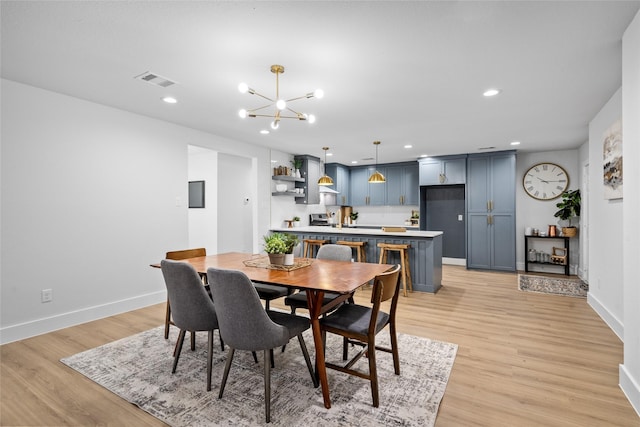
x=442, y=208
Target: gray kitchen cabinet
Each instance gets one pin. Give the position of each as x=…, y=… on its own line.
x=341, y=181
x=490, y=194
x=310, y=171
x=402, y=184
x=364, y=194
x=446, y=170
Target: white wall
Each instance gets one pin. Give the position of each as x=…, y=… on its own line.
x=203, y=233
x=606, y=229
x=88, y=202
x=538, y=214
x=630, y=370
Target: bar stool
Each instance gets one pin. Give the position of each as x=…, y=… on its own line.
x=310, y=244
x=361, y=254
x=403, y=250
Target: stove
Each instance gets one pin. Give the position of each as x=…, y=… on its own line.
x=321, y=219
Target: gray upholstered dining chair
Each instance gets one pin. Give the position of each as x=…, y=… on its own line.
x=191, y=307
x=329, y=251
x=245, y=325
x=360, y=324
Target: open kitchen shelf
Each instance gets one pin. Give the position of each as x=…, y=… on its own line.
x=287, y=193
x=286, y=178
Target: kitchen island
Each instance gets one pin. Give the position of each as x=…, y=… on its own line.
x=425, y=254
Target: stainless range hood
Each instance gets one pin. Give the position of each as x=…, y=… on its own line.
x=328, y=196
x=324, y=189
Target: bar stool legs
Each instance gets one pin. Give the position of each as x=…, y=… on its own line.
x=403, y=250
x=361, y=254
x=309, y=245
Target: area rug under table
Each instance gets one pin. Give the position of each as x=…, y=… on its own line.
x=138, y=369
x=573, y=287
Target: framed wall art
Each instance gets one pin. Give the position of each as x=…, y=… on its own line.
x=612, y=161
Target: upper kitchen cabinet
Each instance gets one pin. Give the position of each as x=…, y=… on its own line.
x=310, y=171
x=364, y=194
x=444, y=170
x=341, y=181
x=402, y=184
x=490, y=194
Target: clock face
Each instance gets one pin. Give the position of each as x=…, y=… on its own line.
x=545, y=181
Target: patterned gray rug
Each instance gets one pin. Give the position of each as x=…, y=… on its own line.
x=553, y=285
x=138, y=369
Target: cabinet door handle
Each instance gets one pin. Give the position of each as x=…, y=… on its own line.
x=489, y=219
x=491, y=205
x=488, y=206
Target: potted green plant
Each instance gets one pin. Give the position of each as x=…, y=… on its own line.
x=297, y=164
x=354, y=217
x=569, y=208
x=276, y=247
x=290, y=241
x=296, y=221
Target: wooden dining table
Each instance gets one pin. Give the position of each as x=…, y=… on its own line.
x=315, y=276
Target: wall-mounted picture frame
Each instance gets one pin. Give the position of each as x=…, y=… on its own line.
x=612, y=161
x=196, y=194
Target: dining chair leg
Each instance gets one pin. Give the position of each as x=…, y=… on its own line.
x=305, y=353
x=177, y=350
x=267, y=385
x=167, y=320
x=255, y=356
x=227, y=367
x=394, y=348
x=373, y=373
x=193, y=341
x=209, y=359
x=221, y=340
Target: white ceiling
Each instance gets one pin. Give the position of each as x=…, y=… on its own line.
x=399, y=72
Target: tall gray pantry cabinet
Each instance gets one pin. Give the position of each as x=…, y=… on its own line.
x=491, y=207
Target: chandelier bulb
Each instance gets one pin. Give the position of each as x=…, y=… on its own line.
x=275, y=124
x=242, y=113
x=318, y=93
x=281, y=104
x=311, y=118
x=243, y=88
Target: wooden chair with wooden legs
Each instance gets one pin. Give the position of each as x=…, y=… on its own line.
x=176, y=256
x=310, y=244
x=360, y=324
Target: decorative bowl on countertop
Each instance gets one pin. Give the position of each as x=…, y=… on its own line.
x=281, y=188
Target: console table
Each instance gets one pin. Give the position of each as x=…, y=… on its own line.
x=526, y=252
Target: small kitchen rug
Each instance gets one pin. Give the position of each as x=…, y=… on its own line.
x=553, y=285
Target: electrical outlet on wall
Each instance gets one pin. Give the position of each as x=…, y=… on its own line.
x=46, y=295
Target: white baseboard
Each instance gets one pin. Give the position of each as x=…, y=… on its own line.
x=454, y=261
x=630, y=387
x=53, y=323
x=613, y=323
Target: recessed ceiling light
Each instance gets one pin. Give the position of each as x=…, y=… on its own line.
x=354, y=162
x=424, y=155
x=515, y=143
x=264, y=132
x=491, y=92
x=169, y=100
x=408, y=146
x=329, y=154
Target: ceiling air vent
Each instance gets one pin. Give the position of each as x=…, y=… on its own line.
x=155, y=79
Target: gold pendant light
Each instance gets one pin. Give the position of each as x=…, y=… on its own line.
x=325, y=179
x=377, y=177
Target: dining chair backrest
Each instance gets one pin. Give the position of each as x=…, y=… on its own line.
x=334, y=252
x=191, y=307
x=186, y=253
x=244, y=324
x=385, y=287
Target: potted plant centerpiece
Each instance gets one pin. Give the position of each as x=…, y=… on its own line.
x=296, y=221
x=280, y=246
x=275, y=246
x=569, y=208
x=290, y=241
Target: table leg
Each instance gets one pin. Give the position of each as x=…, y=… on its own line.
x=314, y=302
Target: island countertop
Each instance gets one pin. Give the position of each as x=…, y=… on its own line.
x=358, y=231
x=425, y=249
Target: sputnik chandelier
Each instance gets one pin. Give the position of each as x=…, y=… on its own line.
x=281, y=105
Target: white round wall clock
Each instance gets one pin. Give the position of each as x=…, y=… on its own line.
x=545, y=181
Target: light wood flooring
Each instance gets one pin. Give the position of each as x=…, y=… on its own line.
x=524, y=359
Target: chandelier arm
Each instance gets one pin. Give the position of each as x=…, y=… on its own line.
x=262, y=96
x=299, y=97
x=260, y=108
x=274, y=117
